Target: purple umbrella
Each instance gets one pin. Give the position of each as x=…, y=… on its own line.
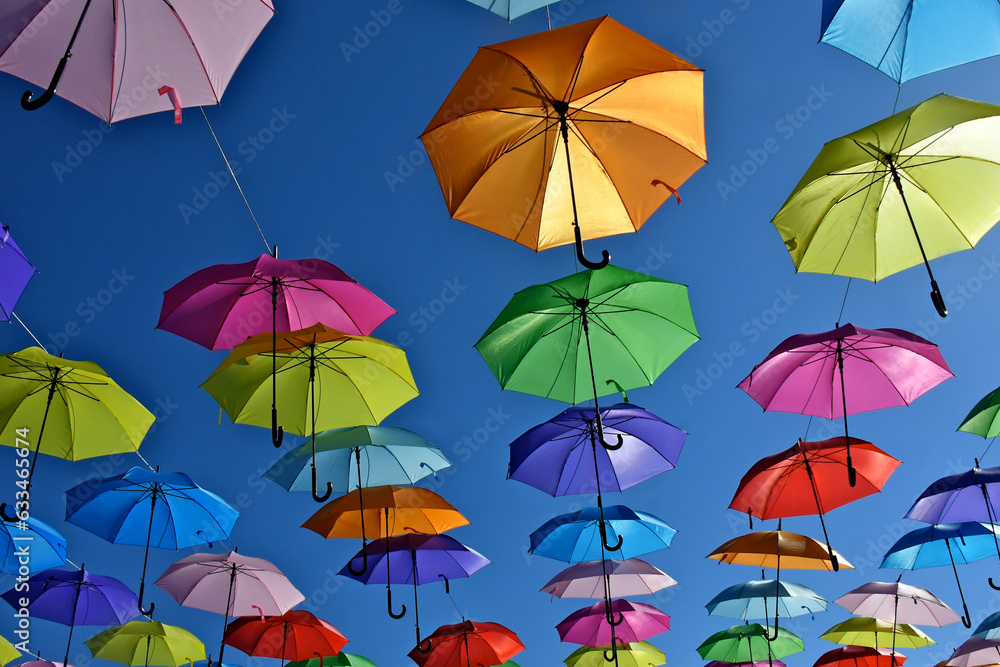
x=76, y=597
x=813, y=374
x=221, y=306
x=15, y=272
x=415, y=558
x=590, y=625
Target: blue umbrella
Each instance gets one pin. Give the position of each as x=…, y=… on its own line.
x=905, y=39
x=989, y=628
x=511, y=9
x=15, y=272
x=756, y=599
x=943, y=544
x=166, y=510
x=47, y=547
x=579, y=536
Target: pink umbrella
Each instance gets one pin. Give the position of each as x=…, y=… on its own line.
x=590, y=625
x=719, y=663
x=898, y=603
x=975, y=652
x=230, y=584
x=221, y=306
x=813, y=374
x=154, y=57
x=633, y=576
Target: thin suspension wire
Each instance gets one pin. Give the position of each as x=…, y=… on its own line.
x=14, y=315
x=805, y=437
x=144, y=460
x=987, y=448
x=548, y=17
x=238, y=187
x=844, y=302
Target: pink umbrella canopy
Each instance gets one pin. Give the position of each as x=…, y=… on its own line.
x=590, y=625
x=764, y=663
x=157, y=56
x=975, y=652
x=221, y=306
x=898, y=603
x=633, y=576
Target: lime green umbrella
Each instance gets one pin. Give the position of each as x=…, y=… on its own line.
x=7, y=651
x=634, y=654
x=68, y=409
x=589, y=334
x=922, y=183
x=749, y=643
x=147, y=643
x=340, y=660
x=984, y=418
x=876, y=633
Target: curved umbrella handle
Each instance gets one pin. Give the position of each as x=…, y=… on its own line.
x=277, y=433
x=430, y=645
x=329, y=489
x=605, y=255
x=600, y=432
x=364, y=561
x=30, y=103
x=7, y=517
x=938, y=300
x=604, y=539
x=448, y=592
x=992, y=585
x=388, y=597
x=208, y=542
x=767, y=635
x=152, y=605
x=614, y=653
x=965, y=619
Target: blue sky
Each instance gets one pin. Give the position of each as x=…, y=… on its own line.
x=322, y=131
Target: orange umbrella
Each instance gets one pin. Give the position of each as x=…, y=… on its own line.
x=567, y=134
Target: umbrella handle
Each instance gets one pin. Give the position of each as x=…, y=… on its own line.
x=30, y=103
x=992, y=585
x=329, y=489
x=277, y=433
x=604, y=539
x=7, y=517
x=152, y=605
x=430, y=645
x=448, y=592
x=388, y=598
x=610, y=617
x=605, y=255
x=364, y=561
x=965, y=619
x=938, y=300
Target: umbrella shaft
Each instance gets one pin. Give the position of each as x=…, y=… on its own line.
x=41, y=430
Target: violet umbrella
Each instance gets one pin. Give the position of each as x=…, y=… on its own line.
x=222, y=306
x=813, y=374
x=75, y=597
x=230, y=584
x=590, y=626
x=15, y=272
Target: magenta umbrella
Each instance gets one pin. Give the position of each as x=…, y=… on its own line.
x=221, y=306
x=156, y=56
x=720, y=663
x=632, y=576
x=590, y=625
x=230, y=584
x=814, y=374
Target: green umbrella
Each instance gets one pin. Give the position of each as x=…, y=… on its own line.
x=589, y=334
x=633, y=654
x=147, y=643
x=914, y=186
x=78, y=410
x=982, y=419
x=7, y=652
x=749, y=643
x=340, y=660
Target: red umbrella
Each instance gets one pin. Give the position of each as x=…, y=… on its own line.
x=860, y=656
x=295, y=635
x=807, y=479
x=468, y=644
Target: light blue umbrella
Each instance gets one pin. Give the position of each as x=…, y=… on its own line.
x=511, y=9
x=905, y=39
x=989, y=628
x=46, y=547
x=756, y=599
x=166, y=510
x=943, y=544
x=373, y=455
x=577, y=536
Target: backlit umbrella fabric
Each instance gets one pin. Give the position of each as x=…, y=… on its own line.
x=765, y=598
x=147, y=643
x=415, y=559
x=15, y=272
x=989, y=628
x=631, y=654
x=898, y=603
x=511, y=9
x=590, y=626
x=467, y=644
x=575, y=536
x=975, y=652
x=876, y=633
x=748, y=643
x=411, y=509
x=628, y=577
x=972, y=495
x=47, y=546
x=75, y=597
x=294, y=635
x=777, y=549
x=982, y=419
x=860, y=656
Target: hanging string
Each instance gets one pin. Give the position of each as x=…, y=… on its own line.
x=455, y=604
x=144, y=460
x=229, y=167
x=987, y=448
x=548, y=17
x=844, y=302
x=14, y=315
x=805, y=438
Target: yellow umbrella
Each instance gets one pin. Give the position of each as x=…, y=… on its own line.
x=876, y=633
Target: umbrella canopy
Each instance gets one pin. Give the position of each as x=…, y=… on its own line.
x=876, y=633
x=905, y=39
x=511, y=9
x=860, y=656
x=166, y=510
x=48, y=547
x=757, y=599
x=582, y=126
x=777, y=549
x=636, y=622
x=909, y=188
x=294, y=635
x=898, y=603
x=973, y=495
x=342, y=659
x=631, y=654
x=467, y=644
x=982, y=419
x=975, y=652
x=625, y=578
x=760, y=663
x=9, y=653
x=221, y=306
x=555, y=456
x=989, y=628
x=577, y=536
x=185, y=50
x=565, y=338
x=387, y=510
x=745, y=643
x=360, y=456
x=15, y=272
x=147, y=643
